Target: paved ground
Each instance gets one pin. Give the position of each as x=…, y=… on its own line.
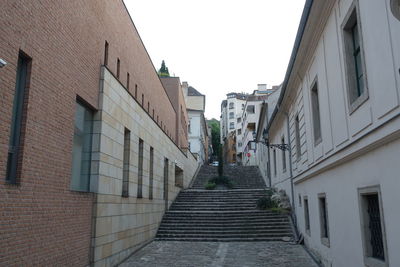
x=240, y=254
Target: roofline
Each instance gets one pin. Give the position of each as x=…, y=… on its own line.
x=299, y=38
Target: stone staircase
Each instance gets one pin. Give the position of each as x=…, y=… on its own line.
x=244, y=177
x=223, y=215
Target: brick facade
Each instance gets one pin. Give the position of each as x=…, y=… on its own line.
x=42, y=221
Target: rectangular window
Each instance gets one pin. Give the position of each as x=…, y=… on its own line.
x=372, y=225
x=231, y=115
x=126, y=163
x=127, y=80
x=231, y=125
x=297, y=136
x=19, y=108
x=151, y=173
x=323, y=219
x=165, y=194
x=274, y=156
x=148, y=107
x=250, y=109
x=106, y=54
x=239, y=131
x=140, y=169
x=354, y=60
x=118, y=67
x=143, y=100
x=82, y=148
x=306, y=216
x=178, y=176
x=136, y=91
x=283, y=155
x=316, y=113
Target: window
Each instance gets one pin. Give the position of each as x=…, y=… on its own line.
x=242, y=106
x=231, y=125
x=165, y=194
x=283, y=155
x=126, y=162
x=354, y=60
x=299, y=200
x=143, y=100
x=323, y=219
x=231, y=105
x=231, y=115
x=274, y=156
x=374, y=240
x=148, y=107
x=151, y=173
x=118, y=67
x=239, y=120
x=316, y=114
x=297, y=136
x=106, y=54
x=140, y=169
x=395, y=7
x=189, y=127
x=82, y=148
x=239, y=131
x=153, y=113
x=178, y=176
x=306, y=216
x=250, y=109
x=239, y=144
x=135, y=91
x=19, y=108
x=127, y=80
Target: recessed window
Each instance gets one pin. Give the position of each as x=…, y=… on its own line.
x=143, y=100
x=178, y=176
x=136, y=91
x=274, y=158
x=395, y=7
x=231, y=125
x=283, y=155
x=106, y=54
x=165, y=191
x=316, y=113
x=127, y=80
x=140, y=169
x=306, y=216
x=82, y=148
x=354, y=60
x=151, y=173
x=18, y=111
x=372, y=225
x=323, y=219
x=250, y=109
x=126, y=163
x=231, y=115
x=118, y=67
x=297, y=135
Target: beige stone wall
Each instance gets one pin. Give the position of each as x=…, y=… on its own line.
x=123, y=224
x=195, y=102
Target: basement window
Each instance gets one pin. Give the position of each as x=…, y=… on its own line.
x=306, y=216
x=323, y=219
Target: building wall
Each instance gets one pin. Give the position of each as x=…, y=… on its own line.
x=196, y=135
x=123, y=224
x=358, y=146
x=43, y=222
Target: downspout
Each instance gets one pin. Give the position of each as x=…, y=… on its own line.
x=291, y=168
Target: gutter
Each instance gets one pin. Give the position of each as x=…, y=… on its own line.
x=299, y=37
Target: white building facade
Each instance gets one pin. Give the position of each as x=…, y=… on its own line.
x=339, y=112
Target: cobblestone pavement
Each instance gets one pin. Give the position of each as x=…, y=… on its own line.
x=197, y=254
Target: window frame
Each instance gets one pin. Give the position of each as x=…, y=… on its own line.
x=368, y=259
x=352, y=17
x=317, y=139
x=307, y=223
x=323, y=219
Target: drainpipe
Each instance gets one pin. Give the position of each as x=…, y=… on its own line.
x=291, y=168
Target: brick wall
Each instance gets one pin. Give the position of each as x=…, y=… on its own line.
x=42, y=221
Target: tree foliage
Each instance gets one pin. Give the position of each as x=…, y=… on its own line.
x=163, y=71
x=215, y=135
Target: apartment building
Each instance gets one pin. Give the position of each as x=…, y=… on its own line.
x=335, y=134
x=90, y=157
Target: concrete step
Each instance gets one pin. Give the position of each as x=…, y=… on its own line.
x=224, y=239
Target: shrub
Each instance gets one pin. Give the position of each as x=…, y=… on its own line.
x=222, y=180
x=210, y=185
x=266, y=202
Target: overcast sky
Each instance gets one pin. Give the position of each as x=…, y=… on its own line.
x=219, y=46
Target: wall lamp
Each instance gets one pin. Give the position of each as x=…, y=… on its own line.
x=283, y=147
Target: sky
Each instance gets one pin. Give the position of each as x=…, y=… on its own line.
x=219, y=46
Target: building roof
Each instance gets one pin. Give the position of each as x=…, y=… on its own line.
x=193, y=92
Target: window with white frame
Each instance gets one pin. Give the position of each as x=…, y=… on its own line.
x=297, y=136
x=323, y=219
x=231, y=125
x=231, y=115
x=316, y=113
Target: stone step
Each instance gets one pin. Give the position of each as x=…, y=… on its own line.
x=231, y=233
x=229, y=227
x=224, y=239
x=224, y=235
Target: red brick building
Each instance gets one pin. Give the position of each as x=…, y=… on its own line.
x=54, y=51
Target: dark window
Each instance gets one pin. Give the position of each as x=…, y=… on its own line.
x=143, y=100
x=157, y=118
x=153, y=113
x=316, y=114
x=323, y=216
x=178, y=176
x=151, y=173
x=118, y=67
x=231, y=125
x=231, y=115
x=126, y=163
x=127, y=80
x=283, y=156
x=250, y=109
x=19, y=108
x=140, y=169
x=106, y=54
x=274, y=156
x=306, y=216
x=231, y=105
x=136, y=91
x=148, y=107
x=82, y=148
x=297, y=135
x=165, y=194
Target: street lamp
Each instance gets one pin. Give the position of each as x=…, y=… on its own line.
x=283, y=147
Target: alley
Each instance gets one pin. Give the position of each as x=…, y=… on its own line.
x=198, y=254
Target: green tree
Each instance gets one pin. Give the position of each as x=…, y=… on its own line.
x=215, y=135
x=163, y=71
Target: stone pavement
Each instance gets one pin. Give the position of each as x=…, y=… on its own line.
x=218, y=254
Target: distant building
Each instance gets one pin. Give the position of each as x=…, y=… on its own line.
x=197, y=126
